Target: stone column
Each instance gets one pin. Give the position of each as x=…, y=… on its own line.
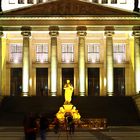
x=26, y=61
x=1, y=35
x=109, y=31
x=81, y=32
x=136, y=33
x=53, y=33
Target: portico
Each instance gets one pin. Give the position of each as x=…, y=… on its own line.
x=96, y=51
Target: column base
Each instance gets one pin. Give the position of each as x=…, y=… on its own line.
x=53, y=93
x=110, y=93
x=25, y=94
x=82, y=94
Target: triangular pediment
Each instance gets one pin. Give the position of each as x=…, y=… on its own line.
x=67, y=7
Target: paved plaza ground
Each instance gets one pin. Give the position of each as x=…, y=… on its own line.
x=111, y=133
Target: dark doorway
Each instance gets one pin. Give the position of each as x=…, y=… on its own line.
x=16, y=82
x=42, y=81
x=119, y=81
x=67, y=74
x=93, y=82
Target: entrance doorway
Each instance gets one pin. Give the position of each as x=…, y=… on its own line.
x=67, y=74
x=42, y=81
x=119, y=81
x=16, y=82
x=93, y=82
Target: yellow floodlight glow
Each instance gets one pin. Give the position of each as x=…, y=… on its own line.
x=30, y=82
x=104, y=82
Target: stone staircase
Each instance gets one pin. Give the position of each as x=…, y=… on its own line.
x=117, y=110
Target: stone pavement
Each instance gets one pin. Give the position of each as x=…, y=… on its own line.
x=111, y=133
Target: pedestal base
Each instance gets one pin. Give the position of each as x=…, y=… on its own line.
x=68, y=109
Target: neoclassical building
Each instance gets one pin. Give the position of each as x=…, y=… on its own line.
x=96, y=47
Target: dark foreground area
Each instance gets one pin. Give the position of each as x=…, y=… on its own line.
x=111, y=133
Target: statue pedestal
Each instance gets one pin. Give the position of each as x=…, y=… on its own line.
x=68, y=109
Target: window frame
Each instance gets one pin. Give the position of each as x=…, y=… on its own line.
x=95, y=51
x=120, y=52
x=42, y=53
x=67, y=52
x=16, y=52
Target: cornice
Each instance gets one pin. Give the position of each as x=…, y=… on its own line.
x=70, y=18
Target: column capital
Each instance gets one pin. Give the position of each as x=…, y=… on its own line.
x=26, y=31
x=109, y=30
x=81, y=31
x=53, y=31
x=136, y=31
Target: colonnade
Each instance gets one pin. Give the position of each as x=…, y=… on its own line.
x=81, y=34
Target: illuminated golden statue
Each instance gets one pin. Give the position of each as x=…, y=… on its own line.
x=68, y=92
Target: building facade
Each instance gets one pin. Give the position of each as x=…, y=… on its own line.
x=12, y=4
x=39, y=50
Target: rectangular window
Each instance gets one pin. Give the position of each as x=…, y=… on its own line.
x=104, y=1
x=39, y=1
x=113, y=1
x=30, y=1
x=119, y=51
x=42, y=53
x=95, y=1
x=16, y=53
x=93, y=53
x=11, y=1
x=20, y=1
x=67, y=52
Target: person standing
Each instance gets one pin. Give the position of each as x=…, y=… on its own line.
x=30, y=127
x=44, y=125
x=70, y=124
x=56, y=125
